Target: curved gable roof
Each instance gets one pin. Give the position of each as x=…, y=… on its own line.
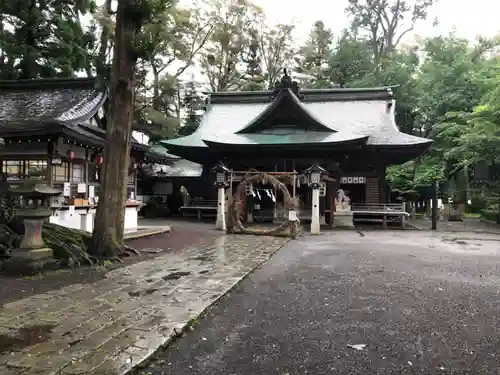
x=330, y=115
x=291, y=103
x=58, y=100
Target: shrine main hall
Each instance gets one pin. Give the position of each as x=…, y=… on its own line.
x=350, y=133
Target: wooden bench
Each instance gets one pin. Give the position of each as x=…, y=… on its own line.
x=200, y=208
x=383, y=213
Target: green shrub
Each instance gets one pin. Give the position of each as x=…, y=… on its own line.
x=491, y=215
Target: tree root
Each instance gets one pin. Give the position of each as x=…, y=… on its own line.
x=70, y=245
x=111, y=259
x=131, y=250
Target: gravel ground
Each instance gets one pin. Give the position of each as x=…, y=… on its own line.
x=181, y=237
x=416, y=302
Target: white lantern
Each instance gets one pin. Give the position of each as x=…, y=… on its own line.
x=220, y=177
x=314, y=174
x=315, y=177
x=221, y=174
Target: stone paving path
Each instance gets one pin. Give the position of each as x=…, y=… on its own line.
x=109, y=327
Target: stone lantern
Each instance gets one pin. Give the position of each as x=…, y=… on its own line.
x=222, y=174
x=314, y=174
x=34, y=210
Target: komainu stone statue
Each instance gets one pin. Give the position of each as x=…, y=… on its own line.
x=342, y=201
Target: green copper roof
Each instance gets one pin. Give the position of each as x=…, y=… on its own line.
x=341, y=116
x=303, y=138
x=161, y=150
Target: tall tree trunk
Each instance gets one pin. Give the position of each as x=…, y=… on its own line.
x=156, y=102
x=109, y=222
x=101, y=60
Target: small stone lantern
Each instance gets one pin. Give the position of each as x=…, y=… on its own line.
x=222, y=174
x=35, y=209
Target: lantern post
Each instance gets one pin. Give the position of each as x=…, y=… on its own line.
x=222, y=174
x=314, y=174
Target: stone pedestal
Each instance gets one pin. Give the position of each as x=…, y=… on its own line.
x=32, y=246
x=87, y=222
x=250, y=215
x=322, y=219
x=221, y=209
x=343, y=219
x=315, y=227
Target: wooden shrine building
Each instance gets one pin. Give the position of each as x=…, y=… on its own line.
x=351, y=133
x=54, y=131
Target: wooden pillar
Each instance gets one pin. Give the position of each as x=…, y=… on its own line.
x=86, y=173
x=315, y=224
x=221, y=208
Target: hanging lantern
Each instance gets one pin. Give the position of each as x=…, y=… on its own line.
x=70, y=154
x=314, y=174
x=222, y=174
x=99, y=159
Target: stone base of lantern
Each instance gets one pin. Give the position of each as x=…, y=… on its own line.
x=33, y=254
x=343, y=219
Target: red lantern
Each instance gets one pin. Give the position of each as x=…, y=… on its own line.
x=99, y=159
x=71, y=155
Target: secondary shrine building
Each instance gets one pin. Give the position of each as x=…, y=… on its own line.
x=349, y=132
x=54, y=132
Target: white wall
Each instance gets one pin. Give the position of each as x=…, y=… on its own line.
x=68, y=220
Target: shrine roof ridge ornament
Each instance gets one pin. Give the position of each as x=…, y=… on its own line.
x=286, y=83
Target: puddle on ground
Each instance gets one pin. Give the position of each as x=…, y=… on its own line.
x=204, y=258
x=142, y=292
x=25, y=337
x=152, y=250
x=176, y=275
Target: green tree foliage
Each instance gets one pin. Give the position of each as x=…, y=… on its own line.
x=253, y=78
x=385, y=23
x=314, y=56
x=234, y=26
x=193, y=104
x=44, y=38
x=451, y=82
x=351, y=60
x=277, y=50
x=175, y=40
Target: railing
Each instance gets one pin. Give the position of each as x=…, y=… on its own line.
x=202, y=203
x=378, y=207
x=200, y=208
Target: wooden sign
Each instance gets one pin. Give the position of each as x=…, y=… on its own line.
x=353, y=180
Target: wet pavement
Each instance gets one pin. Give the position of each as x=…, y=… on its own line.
x=182, y=236
x=377, y=302
x=110, y=326
x=474, y=225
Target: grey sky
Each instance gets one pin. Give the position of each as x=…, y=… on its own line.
x=470, y=18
